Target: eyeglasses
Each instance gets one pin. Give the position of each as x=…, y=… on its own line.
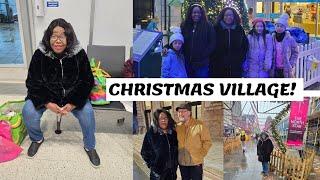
x=163, y=118
x=55, y=38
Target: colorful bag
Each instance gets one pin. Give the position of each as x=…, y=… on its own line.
x=12, y=112
x=8, y=150
x=98, y=92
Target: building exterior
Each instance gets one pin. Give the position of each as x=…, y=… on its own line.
x=232, y=115
x=211, y=113
x=313, y=132
x=282, y=128
x=303, y=13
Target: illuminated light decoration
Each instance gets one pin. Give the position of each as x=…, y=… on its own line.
x=214, y=7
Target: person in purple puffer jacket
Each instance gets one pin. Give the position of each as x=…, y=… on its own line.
x=285, y=51
x=259, y=55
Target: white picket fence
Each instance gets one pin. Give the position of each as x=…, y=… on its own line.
x=310, y=76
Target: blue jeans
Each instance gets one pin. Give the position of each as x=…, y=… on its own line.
x=85, y=115
x=265, y=167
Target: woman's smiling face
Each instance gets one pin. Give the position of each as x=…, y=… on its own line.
x=58, y=40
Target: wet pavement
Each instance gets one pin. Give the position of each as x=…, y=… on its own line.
x=244, y=166
x=10, y=44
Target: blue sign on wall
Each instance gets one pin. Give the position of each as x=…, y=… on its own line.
x=52, y=3
x=260, y=15
x=274, y=15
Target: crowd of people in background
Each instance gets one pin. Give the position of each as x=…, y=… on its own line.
x=200, y=49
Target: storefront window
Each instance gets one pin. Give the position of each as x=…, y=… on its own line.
x=302, y=15
x=196, y=109
x=148, y=105
x=10, y=40
x=260, y=7
x=276, y=7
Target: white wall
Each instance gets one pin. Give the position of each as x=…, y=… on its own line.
x=112, y=24
x=78, y=14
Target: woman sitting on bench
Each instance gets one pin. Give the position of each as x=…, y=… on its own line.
x=60, y=79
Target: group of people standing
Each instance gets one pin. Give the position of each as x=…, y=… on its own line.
x=169, y=144
x=201, y=49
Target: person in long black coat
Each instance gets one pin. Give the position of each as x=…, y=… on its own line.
x=199, y=41
x=231, y=46
x=264, y=150
x=160, y=147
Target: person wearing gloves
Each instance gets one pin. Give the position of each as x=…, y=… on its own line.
x=285, y=52
x=160, y=147
x=60, y=80
x=194, y=142
x=173, y=64
x=259, y=55
x=264, y=150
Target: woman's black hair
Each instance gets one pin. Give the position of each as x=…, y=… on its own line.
x=68, y=31
x=236, y=20
x=253, y=32
x=188, y=19
x=202, y=26
x=156, y=115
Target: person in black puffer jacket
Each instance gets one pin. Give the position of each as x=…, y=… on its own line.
x=60, y=79
x=232, y=46
x=264, y=150
x=160, y=147
x=199, y=41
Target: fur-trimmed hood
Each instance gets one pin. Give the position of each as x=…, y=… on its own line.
x=74, y=50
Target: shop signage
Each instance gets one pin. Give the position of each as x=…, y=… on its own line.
x=260, y=15
x=274, y=15
x=52, y=3
x=297, y=122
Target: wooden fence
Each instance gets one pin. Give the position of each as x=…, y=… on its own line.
x=303, y=68
x=231, y=144
x=293, y=168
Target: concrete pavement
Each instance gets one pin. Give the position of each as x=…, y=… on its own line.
x=62, y=156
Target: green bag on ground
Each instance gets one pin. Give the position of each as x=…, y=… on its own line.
x=12, y=111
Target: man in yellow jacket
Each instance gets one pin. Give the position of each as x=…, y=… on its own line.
x=194, y=142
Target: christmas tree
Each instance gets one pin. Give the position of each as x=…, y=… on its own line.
x=212, y=7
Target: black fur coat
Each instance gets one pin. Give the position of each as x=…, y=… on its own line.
x=61, y=80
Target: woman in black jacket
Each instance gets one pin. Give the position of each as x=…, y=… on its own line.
x=160, y=147
x=60, y=79
x=232, y=46
x=264, y=150
x=199, y=41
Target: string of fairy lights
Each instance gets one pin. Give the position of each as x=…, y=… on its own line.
x=214, y=7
